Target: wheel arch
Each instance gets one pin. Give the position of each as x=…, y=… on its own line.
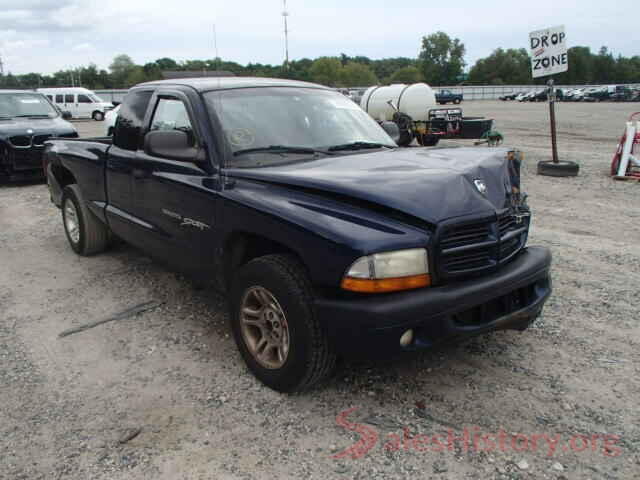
x=240, y=247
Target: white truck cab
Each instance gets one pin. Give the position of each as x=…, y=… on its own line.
x=82, y=103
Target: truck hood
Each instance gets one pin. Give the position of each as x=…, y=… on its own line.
x=40, y=126
x=430, y=184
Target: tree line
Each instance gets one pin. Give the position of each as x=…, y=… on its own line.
x=440, y=62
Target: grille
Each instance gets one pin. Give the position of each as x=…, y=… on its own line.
x=40, y=139
x=497, y=307
x=459, y=236
x=476, y=247
x=20, y=141
x=27, y=159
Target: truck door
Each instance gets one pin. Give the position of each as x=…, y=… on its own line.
x=127, y=140
x=176, y=199
x=84, y=105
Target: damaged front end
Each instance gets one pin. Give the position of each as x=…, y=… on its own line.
x=479, y=245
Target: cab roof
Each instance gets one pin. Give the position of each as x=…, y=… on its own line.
x=204, y=84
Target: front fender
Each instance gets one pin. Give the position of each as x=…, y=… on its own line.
x=327, y=234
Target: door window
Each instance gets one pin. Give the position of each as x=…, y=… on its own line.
x=84, y=99
x=59, y=98
x=130, y=119
x=171, y=114
x=68, y=98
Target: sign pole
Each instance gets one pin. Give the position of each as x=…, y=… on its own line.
x=550, y=56
x=552, y=115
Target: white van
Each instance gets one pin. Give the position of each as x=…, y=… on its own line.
x=82, y=103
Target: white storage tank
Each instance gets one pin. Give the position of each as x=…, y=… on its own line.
x=415, y=100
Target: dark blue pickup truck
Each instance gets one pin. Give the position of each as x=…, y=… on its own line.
x=329, y=239
x=445, y=96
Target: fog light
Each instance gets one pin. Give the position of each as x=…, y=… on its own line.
x=406, y=338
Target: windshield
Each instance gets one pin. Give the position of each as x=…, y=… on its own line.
x=25, y=105
x=95, y=98
x=305, y=118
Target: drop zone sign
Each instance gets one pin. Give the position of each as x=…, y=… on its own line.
x=548, y=51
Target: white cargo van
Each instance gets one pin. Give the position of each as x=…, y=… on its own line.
x=82, y=103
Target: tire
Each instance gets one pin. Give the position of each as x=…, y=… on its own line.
x=98, y=116
x=457, y=101
x=91, y=236
x=428, y=140
x=309, y=357
x=560, y=169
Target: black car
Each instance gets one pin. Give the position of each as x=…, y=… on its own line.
x=27, y=121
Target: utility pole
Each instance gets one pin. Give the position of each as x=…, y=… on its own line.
x=285, y=14
x=215, y=47
x=1, y=66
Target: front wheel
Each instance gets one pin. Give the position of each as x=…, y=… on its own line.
x=275, y=327
x=98, y=116
x=87, y=235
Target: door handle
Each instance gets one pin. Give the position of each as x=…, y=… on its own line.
x=140, y=173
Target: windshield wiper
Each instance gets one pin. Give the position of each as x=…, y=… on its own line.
x=281, y=149
x=358, y=146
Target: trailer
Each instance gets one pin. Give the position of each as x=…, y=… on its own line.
x=413, y=109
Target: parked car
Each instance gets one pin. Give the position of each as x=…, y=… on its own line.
x=27, y=121
x=447, y=96
x=596, y=94
x=577, y=95
x=510, y=96
x=328, y=238
x=82, y=103
x=110, y=120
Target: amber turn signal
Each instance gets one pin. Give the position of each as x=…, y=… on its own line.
x=382, y=285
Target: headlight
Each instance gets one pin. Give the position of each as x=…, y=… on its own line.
x=389, y=272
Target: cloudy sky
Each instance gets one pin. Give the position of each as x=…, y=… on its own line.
x=48, y=35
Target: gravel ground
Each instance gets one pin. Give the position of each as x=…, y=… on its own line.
x=165, y=395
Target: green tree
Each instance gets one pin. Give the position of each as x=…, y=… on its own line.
x=408, y=74
x=604, y=66
x=503, y=67
x=120, y=68
x=386, y=67
x=326, y=70
x=441, y=59
x=357, y=75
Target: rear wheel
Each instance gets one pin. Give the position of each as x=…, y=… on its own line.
x=275, y=327
x=86, y=234
x=457, y=101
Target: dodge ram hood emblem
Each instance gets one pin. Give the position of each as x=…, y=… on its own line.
x=481, y=186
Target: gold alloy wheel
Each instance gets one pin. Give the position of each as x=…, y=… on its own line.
x=264, y=327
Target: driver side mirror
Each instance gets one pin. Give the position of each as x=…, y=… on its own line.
x=170, y=144
x=66, y=115
x=392, y=130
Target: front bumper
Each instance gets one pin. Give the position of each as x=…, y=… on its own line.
x=22, y=164
x=510, y=299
